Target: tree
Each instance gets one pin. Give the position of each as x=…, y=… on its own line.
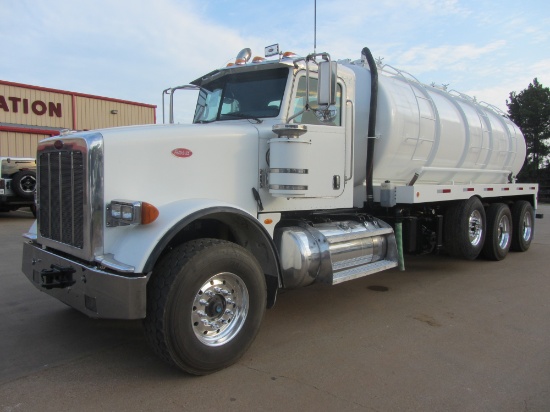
x=530, y=110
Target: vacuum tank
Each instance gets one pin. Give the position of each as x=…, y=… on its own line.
x=428, y=135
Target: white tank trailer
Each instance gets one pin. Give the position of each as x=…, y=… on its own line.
x=426, y=134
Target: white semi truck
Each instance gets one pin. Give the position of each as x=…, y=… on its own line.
x=294, y=171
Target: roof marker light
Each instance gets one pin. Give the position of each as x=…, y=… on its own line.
x=258, y=59
x=288, y=54
x=243, y=56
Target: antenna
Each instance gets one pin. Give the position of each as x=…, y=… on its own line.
x=314, y=26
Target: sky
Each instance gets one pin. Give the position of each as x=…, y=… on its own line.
x=134, y=49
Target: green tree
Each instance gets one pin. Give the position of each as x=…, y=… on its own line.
x=530, y=110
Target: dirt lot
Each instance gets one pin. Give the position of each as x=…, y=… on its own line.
x=446, y=335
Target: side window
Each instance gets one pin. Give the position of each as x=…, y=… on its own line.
x=310, y=117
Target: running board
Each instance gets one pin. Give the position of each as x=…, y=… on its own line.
x=360, y=271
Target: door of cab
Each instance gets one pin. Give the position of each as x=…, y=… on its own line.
x=313, y=164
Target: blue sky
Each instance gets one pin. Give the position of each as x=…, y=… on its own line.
x=133, y=49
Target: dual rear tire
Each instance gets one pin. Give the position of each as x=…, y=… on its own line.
x=523, y=220
x=465, y=229
x=499, y=232
x=471, y=230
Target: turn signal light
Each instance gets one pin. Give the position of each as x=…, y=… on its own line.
x=149, y=213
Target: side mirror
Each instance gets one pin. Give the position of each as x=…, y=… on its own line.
x=326, y=86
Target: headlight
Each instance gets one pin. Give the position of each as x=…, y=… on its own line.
x=129, y=212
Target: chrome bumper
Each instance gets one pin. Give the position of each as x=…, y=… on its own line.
x=93, y=292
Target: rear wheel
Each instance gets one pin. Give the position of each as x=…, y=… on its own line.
x=523, y=224
x=205, y=303
x=499, y=232
x=465, y=229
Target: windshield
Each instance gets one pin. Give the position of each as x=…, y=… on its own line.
x=246, y=95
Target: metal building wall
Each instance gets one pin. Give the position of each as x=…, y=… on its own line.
x=30, y=113
x=92, y=113
x=35, y=107
x=17, y=144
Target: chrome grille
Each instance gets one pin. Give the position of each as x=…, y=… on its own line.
x=61, y=196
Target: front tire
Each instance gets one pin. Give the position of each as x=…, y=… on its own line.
x=205, y=303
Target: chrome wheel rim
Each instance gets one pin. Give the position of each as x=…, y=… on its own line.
x=219, y=309
x=503, y=232
x=475, y=227
x=527, y=227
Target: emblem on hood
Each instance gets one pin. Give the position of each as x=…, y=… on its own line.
x=182, y=152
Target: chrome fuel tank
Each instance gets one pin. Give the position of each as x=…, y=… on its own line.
x=333, y=252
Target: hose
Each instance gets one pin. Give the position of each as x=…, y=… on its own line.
x=372, y=123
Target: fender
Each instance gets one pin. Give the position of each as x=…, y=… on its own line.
x=145, y=244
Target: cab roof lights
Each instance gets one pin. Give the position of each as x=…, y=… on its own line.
x=243, y=57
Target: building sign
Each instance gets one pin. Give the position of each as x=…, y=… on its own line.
x=38, y=107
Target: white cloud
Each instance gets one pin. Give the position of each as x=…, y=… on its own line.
x=450, y=57
x=133, y=49
x=432, y=7
x=125, y=49
x=514, y=80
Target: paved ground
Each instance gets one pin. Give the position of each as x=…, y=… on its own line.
x=447, y=335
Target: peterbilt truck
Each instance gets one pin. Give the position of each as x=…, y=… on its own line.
x=294, y=171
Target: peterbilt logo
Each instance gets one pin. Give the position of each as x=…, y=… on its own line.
x=182, y=152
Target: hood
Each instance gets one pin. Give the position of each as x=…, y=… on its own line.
x=161, y=164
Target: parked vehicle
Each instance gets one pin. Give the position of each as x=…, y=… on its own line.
x=17, y=183
x=295, y=170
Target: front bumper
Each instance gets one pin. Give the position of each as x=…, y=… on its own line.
x=94, y=292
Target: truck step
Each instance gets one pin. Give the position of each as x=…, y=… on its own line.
x=360, y=271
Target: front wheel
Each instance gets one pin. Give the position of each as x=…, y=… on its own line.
x=205, y=303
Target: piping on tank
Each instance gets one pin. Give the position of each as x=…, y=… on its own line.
x=429, y=135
